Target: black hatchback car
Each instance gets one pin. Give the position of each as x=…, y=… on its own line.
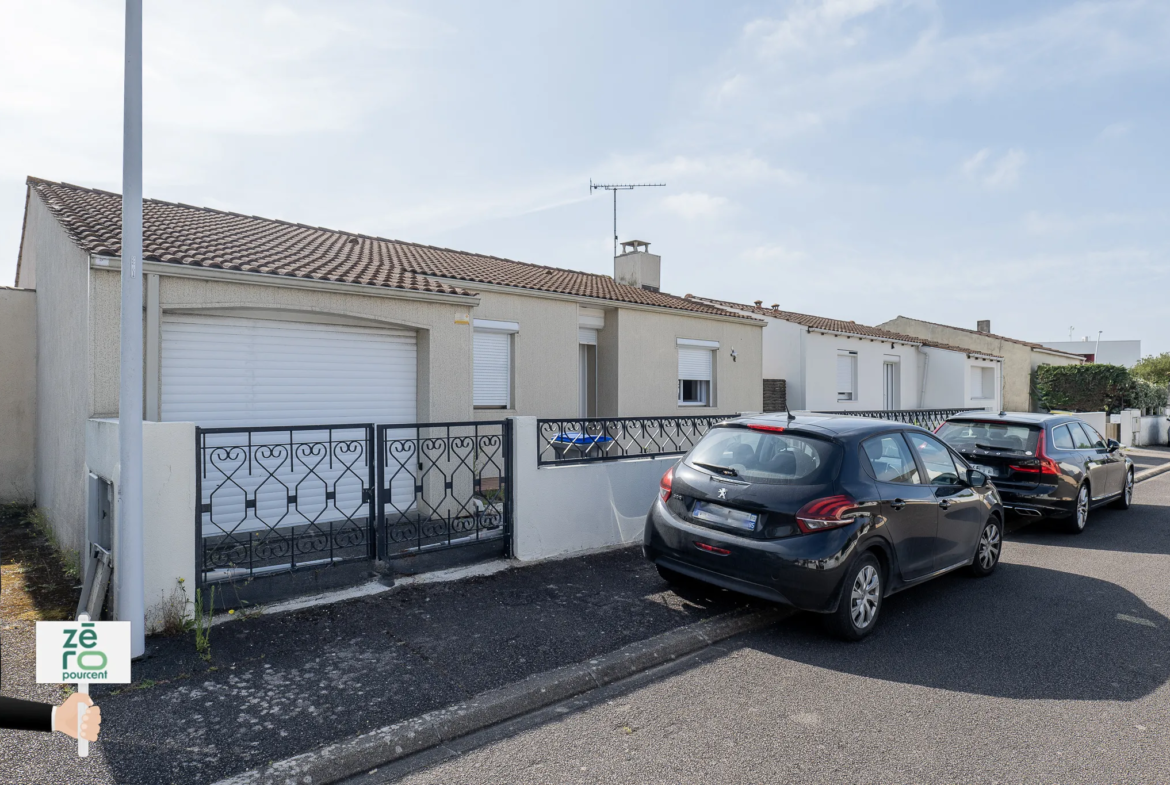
x=826, y=513
x=1044, y=465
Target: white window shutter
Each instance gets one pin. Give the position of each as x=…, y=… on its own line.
x=845, y=366
x=694, y=364
x=493, y=368
x=586, y=336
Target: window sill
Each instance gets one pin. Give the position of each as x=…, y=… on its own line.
x=695, y=406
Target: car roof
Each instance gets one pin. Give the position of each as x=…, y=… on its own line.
x=1021, y=418
x=840, y=425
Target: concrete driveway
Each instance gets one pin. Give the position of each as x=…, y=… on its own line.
x=1053, y=670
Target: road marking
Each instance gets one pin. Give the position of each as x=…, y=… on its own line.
x=1136, y=620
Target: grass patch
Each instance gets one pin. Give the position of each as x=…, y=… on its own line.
x=38, y=582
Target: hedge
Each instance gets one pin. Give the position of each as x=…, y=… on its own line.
x=1095, y=387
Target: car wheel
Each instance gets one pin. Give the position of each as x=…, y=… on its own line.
x=1126, y=499
x=1080, y=516
x=860, y=602
x=989, y=548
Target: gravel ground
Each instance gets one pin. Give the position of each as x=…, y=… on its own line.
x=1053, y=670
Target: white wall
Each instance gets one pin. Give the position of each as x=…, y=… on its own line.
x=820, y=367
x=168, y=504
x=561, y=510
x=1095, y=419
x=18, y=394
x=1125, y=353
x=1154, y=429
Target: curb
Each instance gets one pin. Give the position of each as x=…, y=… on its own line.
x=1154, y=472
x=359, y=754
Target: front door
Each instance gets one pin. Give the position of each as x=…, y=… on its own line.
x=1097, y=459
x=587, y=380
x=908, y=506
x=890, y=380
x=960, y=517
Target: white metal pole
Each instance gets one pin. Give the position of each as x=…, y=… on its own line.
x=1097, y=347
x=131, y=602
x=82, y=689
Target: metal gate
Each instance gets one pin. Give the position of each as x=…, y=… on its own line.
x=444, y=493
x=280, y=501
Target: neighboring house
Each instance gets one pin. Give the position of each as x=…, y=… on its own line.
x=835, y=365
x=250, y=321
x=1020, y=358
x=1123, y=353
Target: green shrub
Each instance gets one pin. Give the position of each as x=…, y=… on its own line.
x=1155, y=369
x=1096, y=387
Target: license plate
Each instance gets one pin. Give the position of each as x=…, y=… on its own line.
x=990, y=471
x=724, y=516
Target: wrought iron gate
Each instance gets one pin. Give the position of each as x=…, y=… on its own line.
x=277, y=500
x=444, y=493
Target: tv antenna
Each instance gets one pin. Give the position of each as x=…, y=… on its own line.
x=615, y=188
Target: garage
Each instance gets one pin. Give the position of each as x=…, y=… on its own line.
x=220, y=371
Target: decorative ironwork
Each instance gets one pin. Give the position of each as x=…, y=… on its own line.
x=614, y=438
x=930, y=419
x=442, y=485
x=272, y=499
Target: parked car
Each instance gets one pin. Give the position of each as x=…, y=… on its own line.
x=830, y=514
x=1044, y=465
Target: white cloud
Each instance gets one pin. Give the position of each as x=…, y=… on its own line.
x=1116, y=130
x=994, y=174
x=693, y=205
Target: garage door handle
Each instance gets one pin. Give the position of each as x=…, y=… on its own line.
x=897, y=504
x=945, y=503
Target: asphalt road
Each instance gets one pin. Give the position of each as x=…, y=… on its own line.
x=1053, y=670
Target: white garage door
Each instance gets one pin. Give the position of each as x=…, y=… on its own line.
x=220, y=371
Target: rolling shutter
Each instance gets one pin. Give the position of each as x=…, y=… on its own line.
x=586, y=336
x=493, y=368
x=694, y=363
x=223, y=371
x=846, y=365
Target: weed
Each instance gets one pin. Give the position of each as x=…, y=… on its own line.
x=170, y=615
x=203, y=624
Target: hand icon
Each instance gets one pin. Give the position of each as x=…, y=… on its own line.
x=65, y=718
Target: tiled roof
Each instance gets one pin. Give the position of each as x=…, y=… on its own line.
x=203, y=237
x=839, y=326
x=1038, y=346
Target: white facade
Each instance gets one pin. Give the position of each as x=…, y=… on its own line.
x=1124, y=353
x=839, y=371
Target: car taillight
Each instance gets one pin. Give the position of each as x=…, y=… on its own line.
x=664, y=486
x=827, y=513
x=1042, y=464
x=769, y=428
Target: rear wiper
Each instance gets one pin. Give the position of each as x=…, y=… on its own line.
x=724, y=470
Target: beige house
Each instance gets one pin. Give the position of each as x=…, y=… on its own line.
x=1020, y=358
x=251, y=321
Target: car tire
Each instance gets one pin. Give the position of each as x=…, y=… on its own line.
x=989, y=549
x=1080, y=516
x=1125, y=500
x=860, y=603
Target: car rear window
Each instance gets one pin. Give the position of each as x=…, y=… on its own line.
x=968, y=435
x=768, y=456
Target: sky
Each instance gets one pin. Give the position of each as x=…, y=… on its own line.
x=856, y=159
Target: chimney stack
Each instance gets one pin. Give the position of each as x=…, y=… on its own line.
x=759, y=303
x=983, y=326
x=636, y=266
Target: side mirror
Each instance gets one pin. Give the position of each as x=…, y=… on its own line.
x=1113, y=445
x=976, y=479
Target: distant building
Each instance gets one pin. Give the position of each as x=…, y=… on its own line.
x=1126, y=353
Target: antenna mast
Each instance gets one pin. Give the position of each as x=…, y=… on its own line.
x=615, y=188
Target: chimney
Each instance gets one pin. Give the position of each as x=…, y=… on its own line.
x=983, y=326
x=759, y=303
x=636, y=266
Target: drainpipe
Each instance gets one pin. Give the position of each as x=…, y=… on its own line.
x=131, y=591
x=925, y=370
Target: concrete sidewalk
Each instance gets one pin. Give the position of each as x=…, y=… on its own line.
x=278, y=686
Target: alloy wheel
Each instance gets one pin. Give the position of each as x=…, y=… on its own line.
x=1128, y=488
x=1083, y=507
x=865, y=596
x=989, y=545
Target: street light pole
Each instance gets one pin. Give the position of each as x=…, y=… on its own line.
x=128, y=568
x=1097, y=347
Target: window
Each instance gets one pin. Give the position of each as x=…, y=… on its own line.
x=891, y=379
x=769, y=458
x=982, y=383
x=1062, y=438
x=492, y=348
x=1096, y=440
x=890, y=460
x=696, y=365
x=966, y=435
x=1081, y=440
x=940, y=466
x=847, y=376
